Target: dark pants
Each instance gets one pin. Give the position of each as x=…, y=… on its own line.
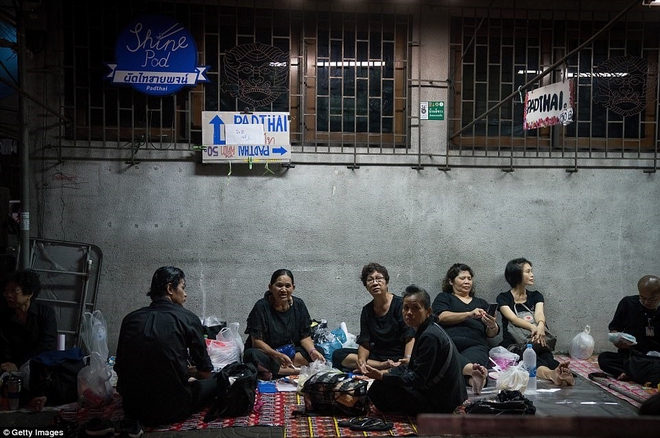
x=613, y=363
x=396, y=398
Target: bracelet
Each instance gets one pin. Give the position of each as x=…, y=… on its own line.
x=540, y=321
x=407, y=356
x=492, y=328
x=311, y=351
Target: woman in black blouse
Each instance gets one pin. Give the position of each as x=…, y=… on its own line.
x=280, y=320
x=384, y=340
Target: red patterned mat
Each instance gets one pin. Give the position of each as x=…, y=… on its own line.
x=273, y=409
x=631, y=392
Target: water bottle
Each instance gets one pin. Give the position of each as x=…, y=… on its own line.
x=529, y=363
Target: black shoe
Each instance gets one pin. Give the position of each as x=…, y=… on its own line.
x=130, y=428
x=99, y=427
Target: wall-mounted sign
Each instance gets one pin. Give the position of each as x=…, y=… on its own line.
x=432, y=110
x=156, y=55
x=550, y=105
x=258, y=137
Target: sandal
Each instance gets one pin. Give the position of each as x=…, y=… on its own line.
x=349, y=423
x=373, y=424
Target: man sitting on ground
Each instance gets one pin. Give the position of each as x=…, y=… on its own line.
x=639, y=316
x=156, y=345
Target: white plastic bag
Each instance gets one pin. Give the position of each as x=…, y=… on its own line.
x=514, y=378
x=94, y=387
x=226, y=348
x=94, y=333
x=350, y=338
x=502, y=357
x=582, y=345
x=307, y=371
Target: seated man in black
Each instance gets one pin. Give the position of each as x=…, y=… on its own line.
x=639, y=316
x=156, y=345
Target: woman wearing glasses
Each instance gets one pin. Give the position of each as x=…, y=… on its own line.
x=385, y=340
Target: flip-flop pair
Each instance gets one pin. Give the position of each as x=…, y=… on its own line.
x=366, y=424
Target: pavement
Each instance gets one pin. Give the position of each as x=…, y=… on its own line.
x=585, y=399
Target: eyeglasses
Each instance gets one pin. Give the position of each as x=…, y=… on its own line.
x=375, y=279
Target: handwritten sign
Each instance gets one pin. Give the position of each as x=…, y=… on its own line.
x=550, y=105
x=156, y=55
x=244, y=134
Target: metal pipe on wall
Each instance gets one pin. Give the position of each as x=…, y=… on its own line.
x=24, y=155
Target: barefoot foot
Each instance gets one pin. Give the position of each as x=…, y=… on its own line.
x=37, y=404
x=478, y=378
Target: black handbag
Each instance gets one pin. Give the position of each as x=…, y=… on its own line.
x=54, y=374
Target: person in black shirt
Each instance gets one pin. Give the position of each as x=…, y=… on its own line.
x=155, y=348
x=464, y=318
x=27, y=327
x=639, y=316
x=433, y=379
x=384, y=340
x=279, y=330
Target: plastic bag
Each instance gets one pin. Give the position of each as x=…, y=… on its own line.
x=349, y=342
x=582, y=345
x=326, y=339
x=212, y=326
x=94, y=334
x=514, y=378
x=307, y=371
x=94, y=387
x=226, y=348
x=502, y=357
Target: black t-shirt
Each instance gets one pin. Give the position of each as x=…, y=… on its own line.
x=278, y=328
x=155, y=345
x=386, y=335
x=468, y=333
x=506, y=299
x=633, y=318
x=21, y=342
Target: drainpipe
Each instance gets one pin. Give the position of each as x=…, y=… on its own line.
x=24, y=253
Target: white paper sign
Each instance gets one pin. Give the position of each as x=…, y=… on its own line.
x=550, y=105
x=244, y=134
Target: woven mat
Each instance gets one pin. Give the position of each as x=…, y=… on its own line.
x=273, y=409
x=611, y=385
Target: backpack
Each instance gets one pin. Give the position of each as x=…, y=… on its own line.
x=54, y=374
x=235, y=392
x=333, y=392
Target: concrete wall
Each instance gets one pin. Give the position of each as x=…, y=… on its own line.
x=590, y=234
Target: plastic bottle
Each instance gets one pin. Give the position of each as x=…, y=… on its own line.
x=529, y=363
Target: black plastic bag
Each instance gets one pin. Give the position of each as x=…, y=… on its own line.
x=236, y=391
x=506, y=403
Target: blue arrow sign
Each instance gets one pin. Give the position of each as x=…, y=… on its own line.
x=280, y=150
x=216, y=122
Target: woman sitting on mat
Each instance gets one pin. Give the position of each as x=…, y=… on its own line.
x=519, y=275
x=279, y=331
x=433, y=380
x=384, y=340
x=466, y=321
